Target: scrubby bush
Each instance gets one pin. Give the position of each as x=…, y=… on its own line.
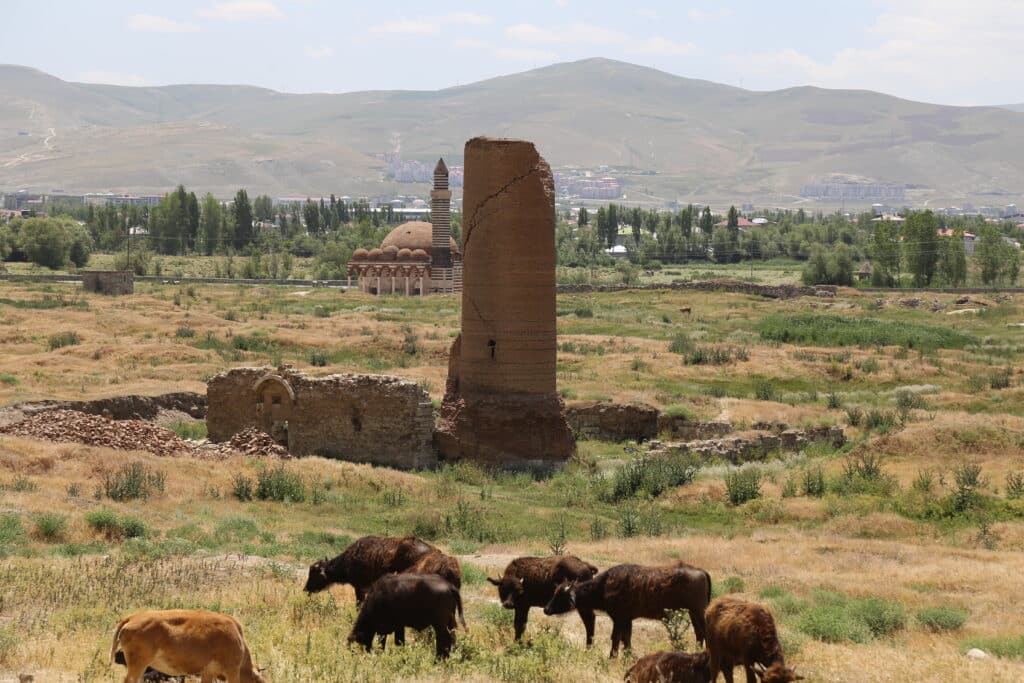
x=114, y=527
x=651, y=476
x=812, y=483
x=317, y=358
x=742, y=485
x=764, y=390
x=942, y=618
x=835, y=330
x=132, y=481
x=50, y=526
x=242, y=487
x=680, y=344
x=62, y=339
x=1015, y=485
x=280, y=484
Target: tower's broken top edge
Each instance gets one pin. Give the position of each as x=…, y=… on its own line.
x=498, y=142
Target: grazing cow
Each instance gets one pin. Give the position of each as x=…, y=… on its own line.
x=630, y=591
x=365, y=561
x=531, y=581
x=742, y=633
x=686, y=309
x=436, y=562
x=181, y=643
x=418, y=601
x=670, y=667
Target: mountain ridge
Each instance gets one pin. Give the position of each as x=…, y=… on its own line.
x=703, y=140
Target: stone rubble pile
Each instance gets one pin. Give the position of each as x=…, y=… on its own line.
x=69, y=426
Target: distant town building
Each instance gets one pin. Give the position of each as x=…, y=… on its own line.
x=852, y=191
x=584, y=185
x=969, y=239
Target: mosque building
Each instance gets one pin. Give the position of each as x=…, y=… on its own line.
x=416, y=258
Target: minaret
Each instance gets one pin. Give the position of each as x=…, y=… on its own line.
x=441, y=218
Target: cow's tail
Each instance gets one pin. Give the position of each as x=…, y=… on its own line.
x=708, y=577
x=458, y=607
x=117, y=640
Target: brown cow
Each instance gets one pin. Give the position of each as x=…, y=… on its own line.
x=436, y=562
x=742, y=633
x=365, y=561
x=630, y=591
x=670, y=667
x=531, y=581
x=414, y=600
x=184, y=642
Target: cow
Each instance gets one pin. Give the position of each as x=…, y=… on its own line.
x=182, y=643
x=742, y=633
x=629, y=591
x=365, y=561
x=418, y=601
x=531, y=581
x=670, y=667
x=436, y=562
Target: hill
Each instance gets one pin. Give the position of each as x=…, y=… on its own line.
x=704, y=140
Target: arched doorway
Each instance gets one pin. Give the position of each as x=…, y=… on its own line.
x=275, y=401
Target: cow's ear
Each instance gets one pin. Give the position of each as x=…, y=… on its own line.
x=522, y=583
x=496, y=582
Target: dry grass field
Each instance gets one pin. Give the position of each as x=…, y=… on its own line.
x=882, y=561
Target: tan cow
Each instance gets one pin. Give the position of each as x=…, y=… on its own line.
x=182, y=642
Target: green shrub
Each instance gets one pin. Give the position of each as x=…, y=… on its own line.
x=113, y=527
x=322, y=312
x=598, y=529
x=184, y=332
x=584, y=312
x=677, y=623
x=1010, y=647
x=834, y=330
x=256, y=342
x=23, y=484
x=242, y=487
x=910, y=400
x=764, y=390
x=813, y=482
x=1015, y=485
x=318, y=358
x=832, y=401
x=194, y=430
x=968, y=484
x=50, y=526
x=924, y=480
x=854, y=416
x=880, y=420
x=680, y=344
x=942, y=618
x=869, y=365
x=651, y=476
x=832, y=624
x=882, y=617
x=132, y=481
x=742, y=485
x=59, y=341
x=1002, y=379
x=280, y=484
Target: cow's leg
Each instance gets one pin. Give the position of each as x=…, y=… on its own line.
x=360, y=594
x=587, y=616
x=522, y=614
x=400, y=635
x=627, y=636
x=699, y=627
x=714, y=666
x=727, y=668
x=444, y=640
x=616, y=636
x=751, y=678
x=383, y=640
x=134, y=673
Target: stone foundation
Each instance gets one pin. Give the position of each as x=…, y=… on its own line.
x=378, y=419
x=613, y=421
x=686, y=429
x=752, y=446
x=113, y=282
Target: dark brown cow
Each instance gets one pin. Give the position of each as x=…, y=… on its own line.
x=365, y=561
x=531, y=581
x=418, y=601
x=742, y=633
x=630, y=591
x=436, y=562
x=670, y=667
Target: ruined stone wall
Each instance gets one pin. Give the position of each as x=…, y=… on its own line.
x=752, y=445
x=114, y=282
x=783, y=291
x=501, y=407
x=613, y=421
x=686, y=429
x=379, y=419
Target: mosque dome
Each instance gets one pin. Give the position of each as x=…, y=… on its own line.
x=414, y=235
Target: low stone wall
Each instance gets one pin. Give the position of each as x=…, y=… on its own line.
x=752, y=446
x=612, y=421
x=379, y=419
x=113, y=282
x=784, y=291
x=123, y=407
x=685, y=429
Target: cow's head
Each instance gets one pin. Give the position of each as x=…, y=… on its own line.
x=361, y=637
x=510, y=590
x=317, y=580
x=564, y=599
x=776, y=673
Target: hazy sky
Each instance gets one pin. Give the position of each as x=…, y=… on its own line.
x=948, y=51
